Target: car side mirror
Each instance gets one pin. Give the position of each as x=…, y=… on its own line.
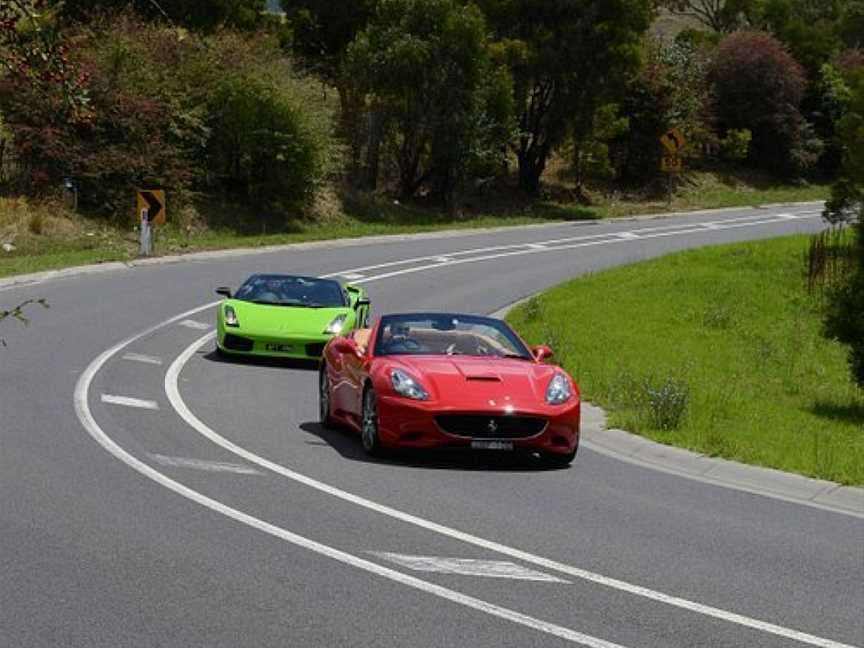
x=541, y=352
x=363, y=301
x=224, y=291
x=346, y=346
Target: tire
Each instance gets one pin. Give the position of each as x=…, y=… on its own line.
x=560, y=460
x=369, y=424
x=221, y=353
x=324, y=405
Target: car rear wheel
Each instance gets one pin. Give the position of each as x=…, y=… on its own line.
x=369, y=423
x=324, y=410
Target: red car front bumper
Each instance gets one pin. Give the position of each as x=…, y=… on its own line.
x=406, y=423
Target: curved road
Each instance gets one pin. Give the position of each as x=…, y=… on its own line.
x=153, y=495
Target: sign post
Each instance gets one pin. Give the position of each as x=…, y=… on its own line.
x=673, y=142
x=151, y=212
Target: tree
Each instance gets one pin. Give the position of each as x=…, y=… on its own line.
x=567, y=58
x=426, y=67
x=722, y=16
x=845, y=318
x=759, y=86
x=202, y=15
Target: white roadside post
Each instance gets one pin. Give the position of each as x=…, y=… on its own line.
x=146, y=233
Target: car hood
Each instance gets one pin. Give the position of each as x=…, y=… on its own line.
x=280, y=321
x=466, y=382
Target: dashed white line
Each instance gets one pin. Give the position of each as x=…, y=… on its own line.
x=140, y=357
x=468, y=567
x=85, y=415
x=127, y=401
x=193, y=324
x=201, y=464
x=351, y=276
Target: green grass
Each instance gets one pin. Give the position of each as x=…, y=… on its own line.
x=727, y=338
x=48, y=236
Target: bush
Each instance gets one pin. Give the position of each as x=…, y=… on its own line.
x=758, y=86
x=224, y=113
x=736, y=144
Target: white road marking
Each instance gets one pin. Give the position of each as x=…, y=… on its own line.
x=787, y=216
x=130, y=402
x=82, y=409
x=443, y=259
x=468, y=567
x=200, y=464
x=173, y=392
x=192, y=324
x=627, y=236
x=351, y=276
x=140, y=357
x=757, y=219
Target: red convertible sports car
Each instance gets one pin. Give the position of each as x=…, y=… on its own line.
x=439, y=380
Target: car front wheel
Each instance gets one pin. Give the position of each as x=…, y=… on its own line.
x=369, y=423
x=324, y=407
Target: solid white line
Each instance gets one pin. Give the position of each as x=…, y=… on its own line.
x=173, y=392
x=468, y=567
x=192, y=324
x=760, y=218
x=130, y=402
x=627, y=236
x=537, y=246
x=352, y=275
x=200, y=464
x=140, y=357
x=82, y=409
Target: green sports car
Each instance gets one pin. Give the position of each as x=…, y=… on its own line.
x=287, y=316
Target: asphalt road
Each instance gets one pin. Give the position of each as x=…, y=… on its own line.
x=212, y=510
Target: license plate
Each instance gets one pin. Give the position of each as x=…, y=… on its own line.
x=279, y=348
x=492, y=445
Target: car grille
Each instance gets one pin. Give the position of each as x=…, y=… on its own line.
x=237, y=343
x=315, y=350
x=477, y=426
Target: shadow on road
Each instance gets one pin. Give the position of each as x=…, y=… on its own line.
x=347, y=444
x=255, y=361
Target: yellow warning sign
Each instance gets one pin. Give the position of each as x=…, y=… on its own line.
x=673, y=140
x=152, y=200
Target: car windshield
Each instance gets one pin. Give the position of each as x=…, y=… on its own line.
x=448, y=334
x=282, y=290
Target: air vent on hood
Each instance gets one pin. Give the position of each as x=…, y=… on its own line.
x=484, y=378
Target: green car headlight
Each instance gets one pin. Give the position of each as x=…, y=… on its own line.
x=231, y=317
x=335, y=327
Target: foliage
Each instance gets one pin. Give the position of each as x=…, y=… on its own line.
x=157, y=119
x=567, y=58
x=35, y=56
x=427, y=69
x=18, y=312
x=723, y=16
x=322, y=30
x=203, y=15
x=736, y=145
x=845, y=318
x=759, y=86
x=670, y=90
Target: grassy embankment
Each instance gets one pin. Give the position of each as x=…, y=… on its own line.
x=49, y=236
x=716, y=350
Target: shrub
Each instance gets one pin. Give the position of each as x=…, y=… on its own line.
x=758, y=86
x=736, y=144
